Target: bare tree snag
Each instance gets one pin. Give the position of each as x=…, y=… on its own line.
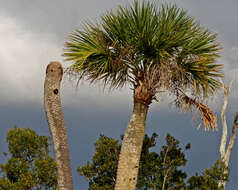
x=226, y=152
x=53, y=109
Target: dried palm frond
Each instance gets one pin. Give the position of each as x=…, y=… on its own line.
x=208, y=118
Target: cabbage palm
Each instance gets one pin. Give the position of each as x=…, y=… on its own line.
x=151, y=49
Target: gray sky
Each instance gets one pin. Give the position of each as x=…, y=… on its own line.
x=32, y=34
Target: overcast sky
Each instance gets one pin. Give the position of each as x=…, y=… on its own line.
x=32, y=33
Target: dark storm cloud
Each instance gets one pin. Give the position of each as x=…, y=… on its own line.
x=218, y=15
x=61, y=17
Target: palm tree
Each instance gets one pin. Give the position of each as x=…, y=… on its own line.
x=151, y=49
x=55, y=117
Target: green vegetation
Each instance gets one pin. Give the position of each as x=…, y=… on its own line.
x=163, y=170
x=29, y=166
x=209, y=178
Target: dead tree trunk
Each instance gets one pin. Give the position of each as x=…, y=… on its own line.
x=57, y=126
x=225, y=150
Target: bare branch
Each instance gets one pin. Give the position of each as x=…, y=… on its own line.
x=232, y=139
x=225, y=153
x=223, y=119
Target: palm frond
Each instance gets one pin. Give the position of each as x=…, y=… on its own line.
x=208, y=118
x=127, y=42
x=95, y=57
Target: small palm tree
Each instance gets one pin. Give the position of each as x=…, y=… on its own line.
x=152, y=49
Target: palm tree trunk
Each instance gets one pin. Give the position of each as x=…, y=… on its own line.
x=57, y=126
x=129, y=158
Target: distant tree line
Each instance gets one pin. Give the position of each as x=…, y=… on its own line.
x=161, y=170
x=30, y=167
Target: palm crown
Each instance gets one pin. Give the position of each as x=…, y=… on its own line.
x=149, y=47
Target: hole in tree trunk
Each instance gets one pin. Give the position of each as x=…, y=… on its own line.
x=56, y=91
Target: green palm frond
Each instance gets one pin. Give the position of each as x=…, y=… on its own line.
x=125, y=43
x=93, y=56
